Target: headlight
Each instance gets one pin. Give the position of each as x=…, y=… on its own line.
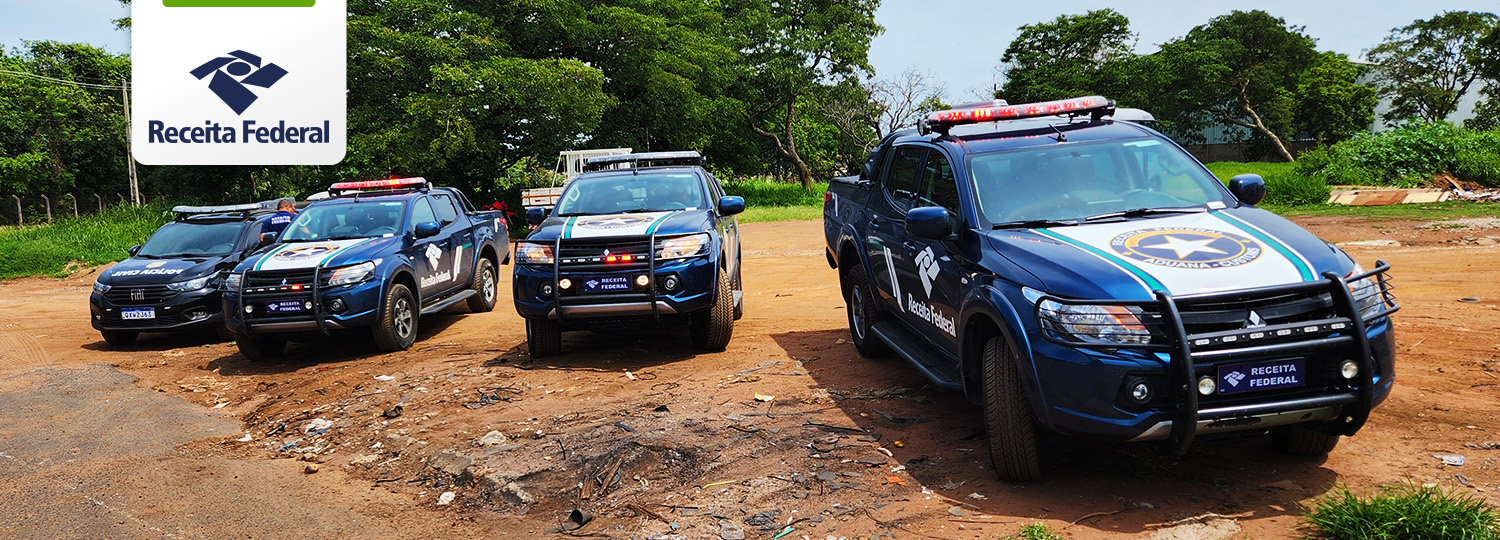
x=233, y=281
x=351, y=274
x=191, y=284
x=1366, y=293
x=1094, y=322
x=100, y=288
x=533, y=253
x=683, y=246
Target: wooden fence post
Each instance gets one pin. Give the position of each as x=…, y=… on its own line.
x=99, y=200
x=47, y=203
x=19, y=220
x=75, y=204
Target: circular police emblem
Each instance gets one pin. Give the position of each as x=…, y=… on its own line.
x=1186, y=247
x=305, y=252
x=612, y=222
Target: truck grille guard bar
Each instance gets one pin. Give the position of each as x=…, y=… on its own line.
x=651, y=292
x=1346, y=330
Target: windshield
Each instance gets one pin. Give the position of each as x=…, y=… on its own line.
x=1074, y=181
x=357, y=219
x=188, y=239
x=645, y=192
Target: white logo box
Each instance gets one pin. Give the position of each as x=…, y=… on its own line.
x=171, y=38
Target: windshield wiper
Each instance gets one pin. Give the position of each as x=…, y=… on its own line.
x=1136, y=212
x=345, y=237
x=1034, y=224
x=186, y=256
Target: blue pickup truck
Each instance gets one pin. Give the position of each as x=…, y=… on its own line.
x=376, y=255
x=1080, y=275
x=653, y=242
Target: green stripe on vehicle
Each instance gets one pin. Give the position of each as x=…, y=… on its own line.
x=1151, y=282
x=268, y=256
x=568, y=227
x=652, y=230
x=1292, y=257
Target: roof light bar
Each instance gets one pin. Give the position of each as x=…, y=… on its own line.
x=391, y=184
x=183, y=210
x=941, y=121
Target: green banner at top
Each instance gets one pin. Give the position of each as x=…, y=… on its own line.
x=238, y=3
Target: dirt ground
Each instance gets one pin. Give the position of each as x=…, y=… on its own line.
x=790, y=425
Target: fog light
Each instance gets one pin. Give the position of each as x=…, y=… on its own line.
x=547, y=290
x=1206, y=385
x=307, y=305
x=642, y=280
x=670, y=283
x=197, y=315
x=1349, y=369
x=1140, y=391
x=337, y=304
x=249, y=309
x=564, y=283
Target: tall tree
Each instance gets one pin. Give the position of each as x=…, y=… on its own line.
x=1487, y=112
x=789, y=49
x=1331, y=104
x=1065, y=57
x=1426, y=67
x=1239, y=69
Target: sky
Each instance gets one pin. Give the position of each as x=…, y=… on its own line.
x=958, y=42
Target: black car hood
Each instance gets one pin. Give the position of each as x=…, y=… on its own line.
x=144, y=271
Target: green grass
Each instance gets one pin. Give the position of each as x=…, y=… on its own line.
x=49, y=250
x=756, y=214
x=1284, y=186
x=1034, y=531
x=763, y=192
x=1403, y=512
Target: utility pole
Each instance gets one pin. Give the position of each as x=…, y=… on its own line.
x=135, y=190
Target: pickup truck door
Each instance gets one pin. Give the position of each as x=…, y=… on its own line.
x=430, y=257
x=892, y=270
x=728, y=226
x=937, y=264
x=459, y=229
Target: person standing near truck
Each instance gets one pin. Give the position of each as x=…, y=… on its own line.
x=285, y=211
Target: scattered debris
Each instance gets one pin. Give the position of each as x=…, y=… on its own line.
x=577, y=519
x=763, y=398
x=1371, y=243
x=392, y=412
x=493, y=438
x=977, y=496
x=959, y=511
x=316, y=427
x=246, y=438
x=1469, y=299
x=384, y=378
x=1451, y=460
x=1488, y=445
x=446, y=498
x=729, y=530
x=310, y=468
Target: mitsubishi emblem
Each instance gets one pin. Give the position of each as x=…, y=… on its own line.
x=1255, y=320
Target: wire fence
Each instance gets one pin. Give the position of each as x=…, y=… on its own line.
x=40, y=209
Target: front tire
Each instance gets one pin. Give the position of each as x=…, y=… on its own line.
x=1301, y=440
x=1012, y=432
x=484, y=285
x=712, y=328
x=115, y=337
x=543, y=337
x=260, y=349
x=863, y=314
x=397, y=329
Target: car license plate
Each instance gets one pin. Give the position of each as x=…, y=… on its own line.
x=131, y=314
x=1269, y=375
x=284, y=306
x=606, y=284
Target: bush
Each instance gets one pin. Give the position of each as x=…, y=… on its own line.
x=1284, y=186
x=91, y=240
x=765, y=192
x=1408, y=156
x=1404, y=512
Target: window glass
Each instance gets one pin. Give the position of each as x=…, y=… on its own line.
x=422, y=213
x=443, y=204
x=354, y=219
x=940, y=189
x=906, y=169
x=1077, y=180
x=188, y=239
x=643, y=192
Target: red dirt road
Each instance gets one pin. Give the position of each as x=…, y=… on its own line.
x=638, y=427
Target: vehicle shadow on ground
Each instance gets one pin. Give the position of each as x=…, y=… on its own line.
x=159, y=341
x=330, y=350
x=614, y=352
x=1107, y=486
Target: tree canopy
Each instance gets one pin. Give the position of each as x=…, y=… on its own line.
x=1426, y=67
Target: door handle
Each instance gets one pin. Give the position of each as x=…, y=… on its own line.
x=910, y=247
x=876, y=223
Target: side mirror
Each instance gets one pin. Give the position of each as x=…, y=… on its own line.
x=535, y=216
x=1248, y=188
x=266, y=240
x=866, y=172
x=930, y=222
x=134, y=250
x=428, y=229
x=730, y=205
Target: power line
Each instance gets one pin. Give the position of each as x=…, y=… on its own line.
x=63, y=81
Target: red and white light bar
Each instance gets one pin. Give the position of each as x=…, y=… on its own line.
x=391, y=184
x=940, y=121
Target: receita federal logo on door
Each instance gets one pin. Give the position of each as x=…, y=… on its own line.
x=238, y=82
